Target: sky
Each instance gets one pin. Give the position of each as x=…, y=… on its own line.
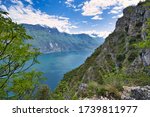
x=71, y=16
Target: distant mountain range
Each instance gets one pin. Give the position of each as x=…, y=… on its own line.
x=51, y=40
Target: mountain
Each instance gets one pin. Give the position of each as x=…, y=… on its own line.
x=118, y=69
x=51, y=40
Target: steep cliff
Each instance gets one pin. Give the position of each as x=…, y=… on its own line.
x=115, y=64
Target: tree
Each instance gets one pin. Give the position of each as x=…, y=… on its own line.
x=16, y=57
x=43, y=93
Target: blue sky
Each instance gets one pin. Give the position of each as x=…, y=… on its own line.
x=71, y=16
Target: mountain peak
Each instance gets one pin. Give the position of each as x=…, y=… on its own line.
x=51, y=40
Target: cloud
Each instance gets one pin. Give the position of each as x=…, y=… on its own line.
x=116, y=10
x=103, y=34
x=80, y=5
x=84, y=22
x=77, y=9
x=117, y=16
x=3, y=7
x=29, y=1
x=96, y=18
x=96, y=7
x=27, y=14
x=18, y=2
x=69, y=3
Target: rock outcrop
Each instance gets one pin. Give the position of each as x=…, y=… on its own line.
x=136, y=93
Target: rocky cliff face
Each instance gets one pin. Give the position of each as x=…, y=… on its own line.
x=118, y=53
x=136, y=93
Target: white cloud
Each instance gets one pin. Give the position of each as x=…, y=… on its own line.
x=69, y=3
x=80, y=5
x=29, y=1
x=103, y=34
x=96, y=18
x=77, y=9
x=116, y=10
x=96, y=7
x=84, y=22
x=117, y=16
x=27, y=14
x=18, y=2
x=3, y=8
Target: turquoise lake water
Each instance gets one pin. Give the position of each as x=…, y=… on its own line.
x=55, y=65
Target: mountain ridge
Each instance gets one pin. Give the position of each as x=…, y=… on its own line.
x=51, y=40
x=114, y=64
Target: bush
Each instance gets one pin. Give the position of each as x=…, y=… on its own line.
x=130, y=9
x=132, y=56
x=120, y=57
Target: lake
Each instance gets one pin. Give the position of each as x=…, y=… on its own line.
x=55, y=65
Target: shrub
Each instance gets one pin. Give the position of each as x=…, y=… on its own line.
x=132, y=56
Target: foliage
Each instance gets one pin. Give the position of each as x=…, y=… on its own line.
x=132, y=55
x=130, y=9
x=145, y=43
x=15, y=81
x=120, y=78
x=145, y=3
x=120, y=57
x=24, y=85
x=43, y=93
x=114, y=82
